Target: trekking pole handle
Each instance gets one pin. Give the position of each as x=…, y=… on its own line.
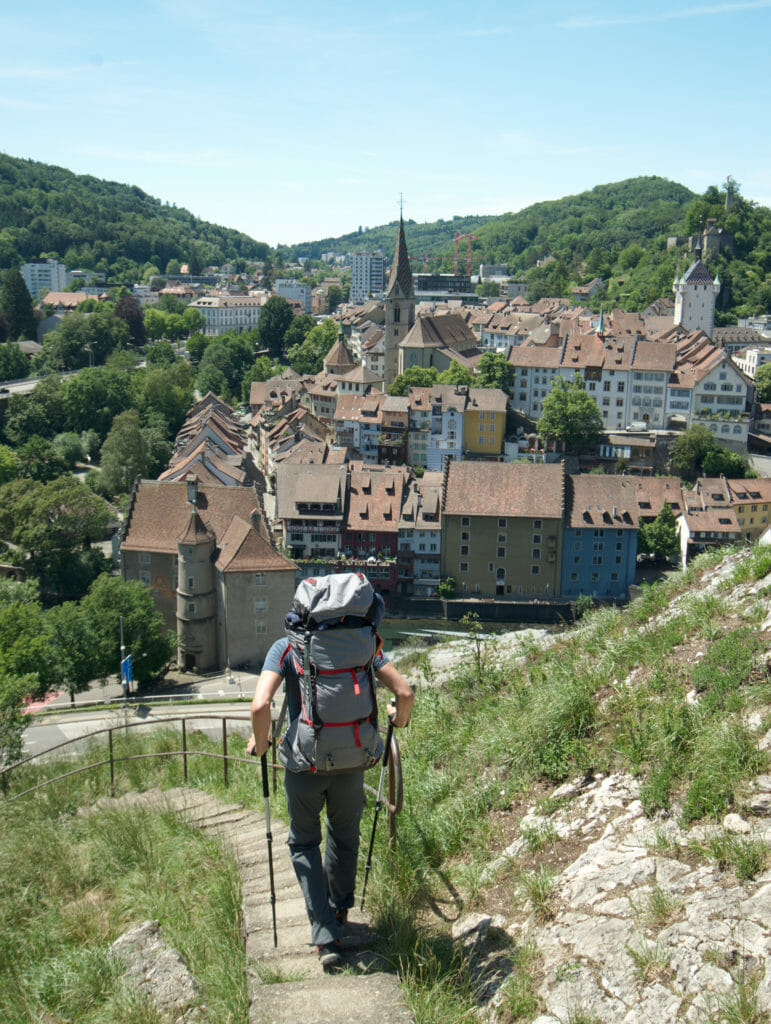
x=264, y=764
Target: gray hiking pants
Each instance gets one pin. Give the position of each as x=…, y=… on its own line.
x=327, y=886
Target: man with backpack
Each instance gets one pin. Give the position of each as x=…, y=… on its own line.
x=330, y=662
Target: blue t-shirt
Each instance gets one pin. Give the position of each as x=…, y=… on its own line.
x=278, y=659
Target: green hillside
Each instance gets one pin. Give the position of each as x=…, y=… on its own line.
x=103, y=225
x=617, y=232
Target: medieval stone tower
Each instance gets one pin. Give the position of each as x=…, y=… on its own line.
x=196, y=597
x=695, y=297
x=399, y=307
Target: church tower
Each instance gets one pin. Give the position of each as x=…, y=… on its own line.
x=399, y=306
x=695, y=297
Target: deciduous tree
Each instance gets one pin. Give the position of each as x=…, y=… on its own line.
x=275, y=317
x=571, y=416
x=145, y=635
x=413, y=377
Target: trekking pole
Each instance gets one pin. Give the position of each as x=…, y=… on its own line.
x=269, y=836
x=378, y=805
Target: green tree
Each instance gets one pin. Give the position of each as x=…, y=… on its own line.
x=261, y=369
x=196, y=344
x=13, y=362
x=211, y=378
x=763, y=383
x=720, y=461
x=334, y=297
x=161, y=354
x=69, y=448
x=688, y=451
x=413, y=377
x=659, y=537
x=129, y=309
x=13, y=721
x=25, y=638
x=54, y=525
x=16, y=304
x=74, y=653
x=455, y=374
x=9, y=464
x=298, y=330
x=309, y=356
x=155, y=324
x=40, y=412
x=275, y=318
x=93, y=397
x=124, y=454
x=145, y=635
x=496, y=372
x=38, y=459
x=571, y=416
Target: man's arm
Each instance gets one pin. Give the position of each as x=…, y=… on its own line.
x=267, y=686
x=394, y=681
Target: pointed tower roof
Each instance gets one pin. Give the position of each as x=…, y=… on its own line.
x=195, y=531
x=400, y=283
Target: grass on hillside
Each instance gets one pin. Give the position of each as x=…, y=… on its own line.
x=662, y=689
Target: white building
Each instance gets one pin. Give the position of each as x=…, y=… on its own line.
x=749, y=359
x=695, y=295
x=293, y=291
x=229, y=312
x=367, y=276
x=47, y=274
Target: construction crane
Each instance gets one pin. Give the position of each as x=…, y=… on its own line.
x=424, y=258
x=471, y=238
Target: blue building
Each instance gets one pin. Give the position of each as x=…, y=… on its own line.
x=599, y=549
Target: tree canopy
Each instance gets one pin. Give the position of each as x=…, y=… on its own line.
x=659, y=537
x=571, y=416
x=696, y=453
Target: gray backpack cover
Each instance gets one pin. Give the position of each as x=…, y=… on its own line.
x=333, y=641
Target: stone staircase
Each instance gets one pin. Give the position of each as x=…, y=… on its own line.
x=286, y=982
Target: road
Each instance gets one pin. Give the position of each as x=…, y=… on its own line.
x=57, y=720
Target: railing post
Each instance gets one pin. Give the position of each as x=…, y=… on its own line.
x=112, y=766
x=225, y=750
x=184, y=748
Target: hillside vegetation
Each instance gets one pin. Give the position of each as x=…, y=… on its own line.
x=116, y=229
x=585, y=835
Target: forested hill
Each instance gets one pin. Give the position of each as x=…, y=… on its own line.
x=617, y=232
x=103, y=225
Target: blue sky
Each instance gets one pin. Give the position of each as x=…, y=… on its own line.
x=305, y=120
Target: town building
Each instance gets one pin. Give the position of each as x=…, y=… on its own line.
x=502, y=528
x=310, y=509
x=367, y=276
x=599, y=551
x=206, y=557
x=420, y=537
x=44, y=275
x=229, y=312
x=292, y=290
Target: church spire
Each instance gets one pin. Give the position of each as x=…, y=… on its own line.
x=400, y=283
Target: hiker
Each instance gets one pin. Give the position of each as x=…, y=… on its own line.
x=328, y=885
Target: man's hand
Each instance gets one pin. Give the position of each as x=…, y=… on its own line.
x=251, y=748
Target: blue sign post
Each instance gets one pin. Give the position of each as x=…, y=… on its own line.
x=126, y=675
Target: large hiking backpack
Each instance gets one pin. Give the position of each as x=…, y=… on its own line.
x=333, y=641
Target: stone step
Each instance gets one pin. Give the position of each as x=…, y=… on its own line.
x=365, y=993
x=332, y=999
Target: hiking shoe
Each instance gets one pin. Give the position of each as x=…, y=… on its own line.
x=330, y=955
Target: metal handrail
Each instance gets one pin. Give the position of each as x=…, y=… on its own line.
x=395, y=781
